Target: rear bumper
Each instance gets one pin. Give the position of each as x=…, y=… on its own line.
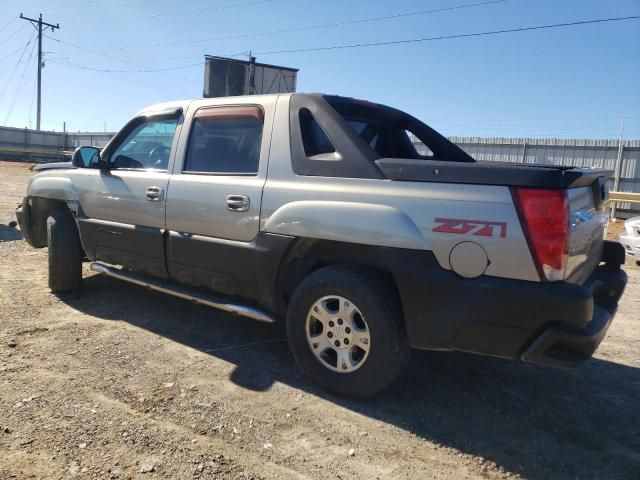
x=568, y=345
x=554, y=323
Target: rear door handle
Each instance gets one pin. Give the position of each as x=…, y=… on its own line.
x=154, y=194
x=238, y=203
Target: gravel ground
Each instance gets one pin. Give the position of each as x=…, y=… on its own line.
x=118, y=382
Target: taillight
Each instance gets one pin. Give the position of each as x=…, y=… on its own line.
x=544, y=215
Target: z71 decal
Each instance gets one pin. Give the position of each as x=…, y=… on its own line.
x=478, y=228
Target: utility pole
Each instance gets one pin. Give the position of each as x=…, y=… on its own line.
x=252, y=74
x=618, y=169
x=39, y=24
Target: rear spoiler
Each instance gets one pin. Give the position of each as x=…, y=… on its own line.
x=491, y=173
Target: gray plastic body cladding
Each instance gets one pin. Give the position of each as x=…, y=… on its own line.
x=135, y=247
x=487, y=315
x=247, y=270
x=23, y=215
x=183, y=292
x=390, y=213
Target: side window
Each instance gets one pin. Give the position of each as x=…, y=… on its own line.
x=225, y=140
x=368, y=131
x=421, y=148
x=315, y=141
x=147, y=146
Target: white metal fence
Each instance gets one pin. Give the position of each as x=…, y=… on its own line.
x=32, y=145
x=565, y=152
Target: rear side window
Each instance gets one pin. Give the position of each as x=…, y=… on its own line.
x=225, y=140
x=314, y=139
x=391, y=133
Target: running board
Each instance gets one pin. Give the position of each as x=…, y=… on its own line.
x=182, y=292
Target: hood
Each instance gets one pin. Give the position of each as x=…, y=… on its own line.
x=51, y=166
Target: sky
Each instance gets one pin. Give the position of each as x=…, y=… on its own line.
x=564, y=82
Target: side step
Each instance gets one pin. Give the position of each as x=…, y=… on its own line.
x=182, y=292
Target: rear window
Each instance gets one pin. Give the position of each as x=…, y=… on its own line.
x=314, y=138
x=387, y=140
x=391, y=133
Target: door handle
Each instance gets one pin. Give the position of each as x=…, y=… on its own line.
x=154, y=194
x=238, y=203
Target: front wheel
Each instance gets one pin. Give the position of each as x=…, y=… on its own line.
x=65, y=252
x=345, y=330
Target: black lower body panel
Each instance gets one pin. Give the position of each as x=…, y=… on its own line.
x=506, y=318
x=567, y=345
x=243, y=269
x=135, y=247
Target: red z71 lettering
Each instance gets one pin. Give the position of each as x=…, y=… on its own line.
x=478, y=228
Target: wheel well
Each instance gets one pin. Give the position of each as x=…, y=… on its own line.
x=306, y=256
x=39, y=210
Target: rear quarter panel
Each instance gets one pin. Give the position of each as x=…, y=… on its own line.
x=392, y=213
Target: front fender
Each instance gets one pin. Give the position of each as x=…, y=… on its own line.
x=362, y=223
x=53, y=188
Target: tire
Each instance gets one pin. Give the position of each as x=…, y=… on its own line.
x=65, y=252
x=368, y=303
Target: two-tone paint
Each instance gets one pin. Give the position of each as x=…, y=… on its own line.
x=435, y=235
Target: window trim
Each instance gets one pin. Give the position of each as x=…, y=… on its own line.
x=224, y=112
x=130, y=126
x=355, y=161
x=325, y=156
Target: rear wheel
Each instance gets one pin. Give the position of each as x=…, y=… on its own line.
x=345, y=330
x=65, y=252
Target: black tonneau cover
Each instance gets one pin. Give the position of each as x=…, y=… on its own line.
x=490, y=173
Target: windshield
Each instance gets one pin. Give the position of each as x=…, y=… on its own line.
x=395, y=134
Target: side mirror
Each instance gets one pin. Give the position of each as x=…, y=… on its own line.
x=86, y=157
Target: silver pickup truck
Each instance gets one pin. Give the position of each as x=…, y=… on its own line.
x=369, y=232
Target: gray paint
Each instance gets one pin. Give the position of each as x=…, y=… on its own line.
x=365, y=211
x=418, y=204
x=468, y=259
x=197, y=202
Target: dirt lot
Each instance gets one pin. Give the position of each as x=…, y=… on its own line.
x=119, y=382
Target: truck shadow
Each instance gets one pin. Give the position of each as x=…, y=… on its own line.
x=9, y=234
x=538, y=422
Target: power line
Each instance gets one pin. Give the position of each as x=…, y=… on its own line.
x=74, y=4
x=7, y=24
x=169, y=14
x=10, y=37
x=131, y=80
x=33, y=97
x=15, y=51
x=14, y=69
x=335, y=47
x=149, y=70
x=61, y=9
x=313, y=27
x=448, y=37
x=65, y=62
x=110, y=56
x=20, y=86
